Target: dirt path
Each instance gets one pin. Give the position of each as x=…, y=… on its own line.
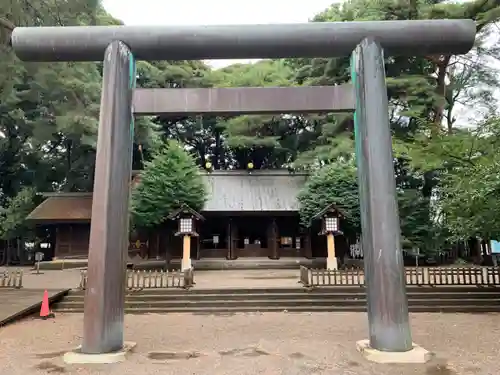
x=247, y=344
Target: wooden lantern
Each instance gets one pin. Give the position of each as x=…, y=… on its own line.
x=186, y=218
x=330, y=220
x=330, y=227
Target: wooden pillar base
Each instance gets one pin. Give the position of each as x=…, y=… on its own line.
x=186, y=264
x=331, y=260
x=332, y=264
x=186, y=253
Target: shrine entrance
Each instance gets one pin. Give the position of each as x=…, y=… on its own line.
x=252, y=237
x=366, y=95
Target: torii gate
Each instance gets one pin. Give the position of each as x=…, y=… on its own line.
x=367, y=96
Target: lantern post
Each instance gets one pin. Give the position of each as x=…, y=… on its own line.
x=330, y=219
x=187, y=219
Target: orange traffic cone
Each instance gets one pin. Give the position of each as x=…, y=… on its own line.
x=45, y=312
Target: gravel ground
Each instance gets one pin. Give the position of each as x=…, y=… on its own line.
x=241, y=344
x=226, y=279
x=70, y=278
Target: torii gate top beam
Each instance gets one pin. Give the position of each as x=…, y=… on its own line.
x=315, y=39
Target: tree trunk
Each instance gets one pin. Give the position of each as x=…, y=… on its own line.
x=442, y=67
x=217, y=151
x=69, y=181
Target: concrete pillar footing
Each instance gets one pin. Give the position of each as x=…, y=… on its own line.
x=77, y=357
x=416, y=355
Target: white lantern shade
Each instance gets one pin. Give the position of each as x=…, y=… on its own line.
x=331, y=224
x=185, y=225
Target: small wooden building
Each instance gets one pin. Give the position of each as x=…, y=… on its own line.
x=248, y=214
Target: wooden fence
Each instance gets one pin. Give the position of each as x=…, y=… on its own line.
x=141, y=279
x=419, y=276
x=11, y=279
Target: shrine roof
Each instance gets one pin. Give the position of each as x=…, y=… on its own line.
x=256, y=191
x=63, y=207
x=228, y=191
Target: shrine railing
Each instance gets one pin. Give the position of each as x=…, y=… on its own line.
x=141, y=279
x=11, y=279
x=417, y=276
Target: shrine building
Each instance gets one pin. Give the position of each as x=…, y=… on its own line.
x=247, y=214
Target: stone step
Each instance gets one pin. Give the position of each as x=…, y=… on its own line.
x=278, y=303
x=300, y=290
x=348, y=298
x=300, y=296
x=291, y=309
x=233, y=297
x=204, y=264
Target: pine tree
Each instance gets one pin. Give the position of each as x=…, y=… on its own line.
x=170, y=180
x=335, y=184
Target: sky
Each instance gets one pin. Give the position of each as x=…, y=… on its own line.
x=214, y=12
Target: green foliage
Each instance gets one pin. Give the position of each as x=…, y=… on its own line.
x=261, y=73
x=470, y=201
x=421, y=102
x=424, y=112
x=13, y=215
x=470, y=191
x=267, y=141
x=333, y=184
x=169, y=181
x=49, y=112
x=336, y=184
x=420, y=224
x=49, y=117
x=327, y=150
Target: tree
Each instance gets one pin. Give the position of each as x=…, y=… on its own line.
x=425, y=95
x=336, y=184
x=49, y=112
x=170, y=180
x=333, y=184
x=201, y=134
x=13, y=214
x=50, y=116
x=13, y=225
x=421, y=225
x=268, y=141
x=470, y=191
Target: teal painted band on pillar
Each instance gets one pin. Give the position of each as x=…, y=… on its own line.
x=132, y=83
x=357, y=142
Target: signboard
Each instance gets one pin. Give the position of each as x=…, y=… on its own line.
x=495, y=247
x=38, y=258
